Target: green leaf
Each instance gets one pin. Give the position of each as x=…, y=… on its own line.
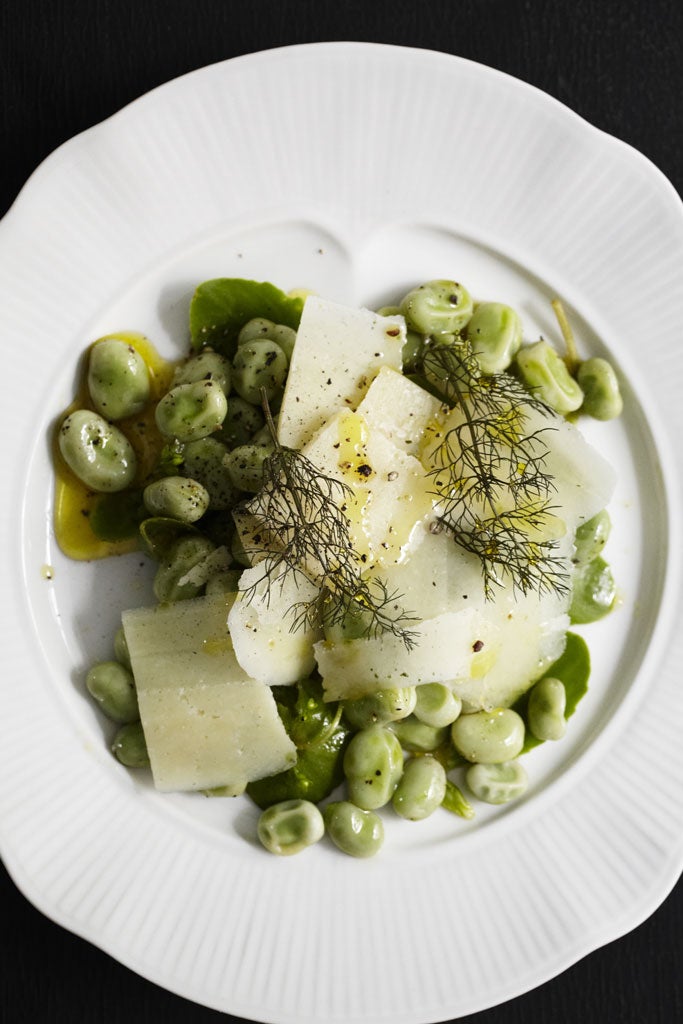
x=222, y=306
x=573, y=668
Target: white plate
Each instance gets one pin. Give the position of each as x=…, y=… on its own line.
x=356, y=170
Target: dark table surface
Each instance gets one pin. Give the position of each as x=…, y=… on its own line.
x=65, y=66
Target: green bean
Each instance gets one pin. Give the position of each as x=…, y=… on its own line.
x=245, y=465
x=290, y=826
x=421, y=788
x=602, y=399
x=191, y=411
x=437, y=307
x=118, y=379
x=593, y=592
x=373, y=762
x=591, y=537
x=259, y=365
x=111, y=684
x=242, y=422
x=187, y=552
x=418, y=737
x=497, y=783
x=546, y=375
x=204, y=461
x=178, y=497
x=97, y=452
x=130, y=747
x=489, y=737
x=436, y=704
x=495, y=333
x=206, y=365
x=546, y=708
x=354, y=831
x=380, y=707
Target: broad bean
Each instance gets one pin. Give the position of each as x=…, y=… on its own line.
x=241, y=423
x=591, y=537
x=546, y=708
x=437, y=307
x=178, y=497
x=354, y=831
x=204, y=461
x=593, y=591
x=257, y=366
x=546, y=375
x=98, y=453
x=436, y=704
x=118, y=379
x=130, y=747
x=495, y=333
x=192, y=411
x=380, y=707
x=258, y=329
x=169, y=583
x=206, y=365
x=421, y=788
x=290, y=826
x=111, y=684
x=245, y=465
x=601, y=395
x=489, y=737
x=373, y=762
x=497, y=783
x=417, y=736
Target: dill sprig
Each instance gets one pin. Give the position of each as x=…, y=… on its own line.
x=494, y=495
x=296, y=525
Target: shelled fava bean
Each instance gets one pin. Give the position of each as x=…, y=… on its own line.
x=97, y=452
x=118, y=379
x=290, y=826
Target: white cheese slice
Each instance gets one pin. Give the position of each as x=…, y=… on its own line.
x=401, y=410
x=489, y=652
x=584, y=479
x=389, y=492
x=338, y=352
x=265, y=641
x=207, y=724
x=444, y=649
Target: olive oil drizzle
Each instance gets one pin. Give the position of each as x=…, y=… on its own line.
x=74, y=503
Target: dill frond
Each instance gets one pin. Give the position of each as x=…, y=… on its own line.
x=493, y=493
x=296, y=524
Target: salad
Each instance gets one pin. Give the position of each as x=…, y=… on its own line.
x=372, y=531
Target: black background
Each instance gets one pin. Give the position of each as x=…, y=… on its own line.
x=64, y=67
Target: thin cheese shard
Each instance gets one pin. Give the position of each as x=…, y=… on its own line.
x=207, y=724
x=262, y=629
x=337, y=354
